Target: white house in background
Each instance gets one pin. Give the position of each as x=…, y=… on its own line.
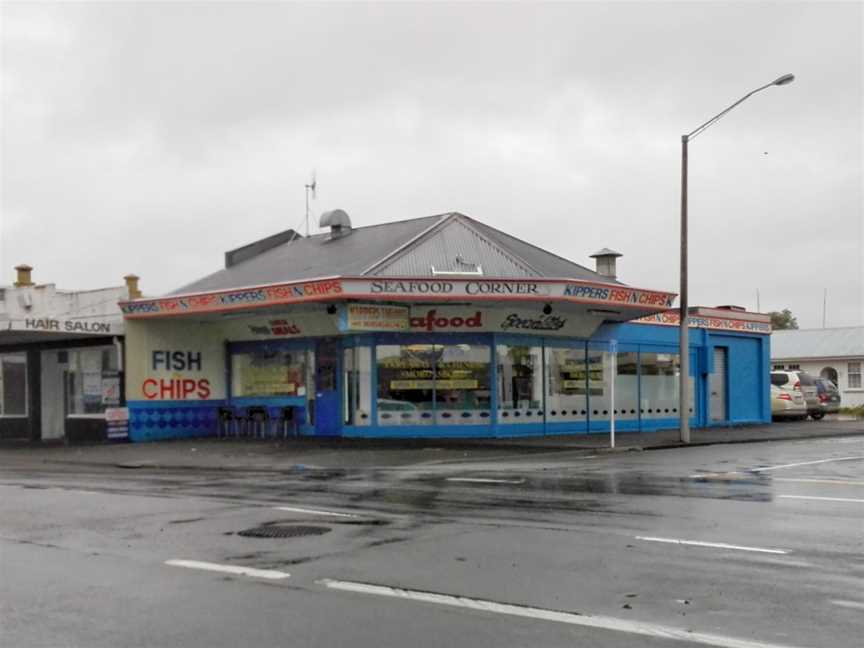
x=833, y=353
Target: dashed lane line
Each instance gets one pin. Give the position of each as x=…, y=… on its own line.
x=855, y=605
x=713, y=545
x=297, y=509
x=824, y=499
x=813, y=480
x=483, y=480
x=806, y=463
x=543, y=614
x=269, y=574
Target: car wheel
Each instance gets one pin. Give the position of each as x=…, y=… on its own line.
x=817, y=416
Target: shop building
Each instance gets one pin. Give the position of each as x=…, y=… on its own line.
x=431, y=327
x=61, y=359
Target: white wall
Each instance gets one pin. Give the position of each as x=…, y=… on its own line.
x=45, y=301
x=146, y=376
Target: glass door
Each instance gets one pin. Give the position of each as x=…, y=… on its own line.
x=327, y=388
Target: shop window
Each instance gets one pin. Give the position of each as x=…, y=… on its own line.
x=462, y=394
x=92, y=381
x=406, y=374
x=520, y=384
x=567, y=392
x=13, y=384
x=658, y=388
x=357, y=397
x=626, y=405
x=854, y=375
x=269, y=373
x=425, y=384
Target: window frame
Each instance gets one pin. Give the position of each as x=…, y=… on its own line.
x=66, y=374
x=857, y=372
x=26, y=363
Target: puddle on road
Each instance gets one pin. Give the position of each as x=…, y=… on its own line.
x=754, y=488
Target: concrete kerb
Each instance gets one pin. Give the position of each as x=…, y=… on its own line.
x=256, y=456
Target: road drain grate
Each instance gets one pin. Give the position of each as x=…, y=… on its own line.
x=283, y=531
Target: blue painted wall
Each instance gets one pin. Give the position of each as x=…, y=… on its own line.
x=748, y=390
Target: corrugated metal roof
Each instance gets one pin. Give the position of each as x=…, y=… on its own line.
x=414, y=247
x=316, y=256
x=818, y=343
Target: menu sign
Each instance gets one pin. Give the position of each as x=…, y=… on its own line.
x=375, y=317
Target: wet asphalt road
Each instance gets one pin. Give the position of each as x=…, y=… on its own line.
x=83, y=552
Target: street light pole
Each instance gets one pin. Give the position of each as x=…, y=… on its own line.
x=684, y=331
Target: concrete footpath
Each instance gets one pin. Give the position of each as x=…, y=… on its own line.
x=311, y=453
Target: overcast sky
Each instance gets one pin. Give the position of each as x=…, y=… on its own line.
x=151, y=137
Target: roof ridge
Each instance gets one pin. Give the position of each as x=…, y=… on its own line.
x=825, y=328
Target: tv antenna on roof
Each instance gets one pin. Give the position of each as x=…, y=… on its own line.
x=310, y=187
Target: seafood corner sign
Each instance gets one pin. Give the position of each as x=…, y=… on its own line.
x=400, y=290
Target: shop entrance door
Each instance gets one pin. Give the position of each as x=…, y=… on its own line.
x=327, y=388
x=53, y=405
x=717, y=385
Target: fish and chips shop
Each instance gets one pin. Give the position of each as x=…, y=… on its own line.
x=439, y=326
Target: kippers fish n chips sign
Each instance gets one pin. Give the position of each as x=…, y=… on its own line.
x=673, y=318
x=396, y=289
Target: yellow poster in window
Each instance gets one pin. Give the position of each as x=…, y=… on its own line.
x=402, y=385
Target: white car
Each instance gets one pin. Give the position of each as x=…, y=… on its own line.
x=787, y=403
x=802, y=383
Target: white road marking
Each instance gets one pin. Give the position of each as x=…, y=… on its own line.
x=480, y=480
x=810, y=480
x=806, y=463
x=824, y=499
x=294, y=509
x=715, y=545
x=270, y=574
x=855, y=605
x=543, y=614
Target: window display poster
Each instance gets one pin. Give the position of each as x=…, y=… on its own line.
x=110, y=388
x=91, y=386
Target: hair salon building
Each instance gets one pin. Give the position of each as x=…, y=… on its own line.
x=61, y=359
x=432, y=327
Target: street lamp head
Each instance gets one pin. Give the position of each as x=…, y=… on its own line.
x=785, y=79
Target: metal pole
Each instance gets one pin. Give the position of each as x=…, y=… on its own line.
x=824, y=307
x=684, y=346
x=612, y=396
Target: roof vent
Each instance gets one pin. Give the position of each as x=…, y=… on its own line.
x=606, y=262
x=338, y=222
x=238, y=255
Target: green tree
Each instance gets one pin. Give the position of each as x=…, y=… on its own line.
x=783, y=320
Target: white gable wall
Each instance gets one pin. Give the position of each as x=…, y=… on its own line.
x=440, y=247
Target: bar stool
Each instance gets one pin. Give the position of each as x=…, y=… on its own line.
x=289, y=426
x=258, y=420
x=227, y=423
